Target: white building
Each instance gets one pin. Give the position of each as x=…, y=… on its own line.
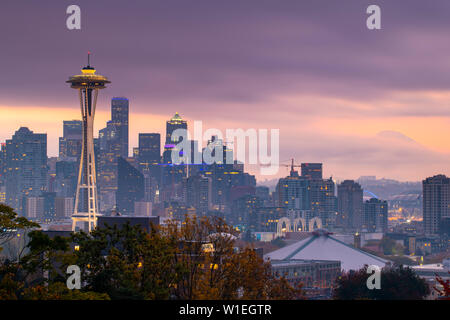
x=320, y=245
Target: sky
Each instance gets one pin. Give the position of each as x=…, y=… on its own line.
x=362, y=102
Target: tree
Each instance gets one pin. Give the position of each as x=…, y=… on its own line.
x=59, y=291
x=281, y=289
x=127, y=262
x=10, y=222
x=444, y=293
x=387, y=244
x=12, y=274
x=216, y=269
x=195, y=260
x=37, y=269
x=205, y=248
x=398, y=283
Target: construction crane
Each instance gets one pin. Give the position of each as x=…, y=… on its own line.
x=292, y=166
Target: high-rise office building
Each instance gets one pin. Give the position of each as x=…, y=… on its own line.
x=66, y=178
x=151, y=188
x=198, y=193
x=323, y=201
x=109, y=151
x=225, y=176
x=293, y=192
x=375, y=218
x=263, y=193
x=131, y=187
x=34, y=208
x=70, y=142
x=2, y=194
x=26, y=167
x=436, y=202
x=142, y=209
x=113, y=143
x=2, y=164
x=176, y=122
x=244, y=212
x=119, y=118
x=350, y=205
x=63, y=207
x=312, y=170
x=149, y=149
x=172, y=174
x=49, y=205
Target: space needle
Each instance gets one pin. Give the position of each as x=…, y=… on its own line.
x=86, y=202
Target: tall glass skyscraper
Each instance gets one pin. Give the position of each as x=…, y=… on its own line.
x=119, y=119
x=436, y=202
x=113, y=143
x=70, y=142
x=26, y=167
x=149, y=149
x=176, y=122
x=131, y=187
x=350, y=205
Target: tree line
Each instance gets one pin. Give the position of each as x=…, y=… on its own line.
x=196, y=259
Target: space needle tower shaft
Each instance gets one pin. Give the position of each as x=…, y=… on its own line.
x=86, y=201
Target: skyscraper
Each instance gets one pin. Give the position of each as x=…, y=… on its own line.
x=244, y=212
x=293, y=192
x=2, y=164
x=375, y=217
x=66, y=178
x=131, y=187
x=34, y=208
x=198, y=193
x=312, y=170
x=119, y=119
x=109, y=151
x=436, y=202
x=149, y=149
x=176, y=122
x=350, y=205
x=113, y=143
x=25, y=167
x=63, y=207
x=86, y=201
x=323, y=200
x=70, y=142
x=49, y=205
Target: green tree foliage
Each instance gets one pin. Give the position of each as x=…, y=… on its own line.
x=391, y=247
x=127, y=262
x=193, y=260
x=10, y=222
x=387, y=245
x=398, y=283
x=59, y=291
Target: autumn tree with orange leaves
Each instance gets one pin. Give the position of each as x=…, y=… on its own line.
x=444, y=293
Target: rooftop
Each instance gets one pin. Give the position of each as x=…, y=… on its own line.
x=322, y=246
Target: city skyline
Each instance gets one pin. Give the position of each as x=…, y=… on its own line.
x=241, y=151
x=368, y=103
x=271, y=179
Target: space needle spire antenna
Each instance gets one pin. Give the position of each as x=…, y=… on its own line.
x=86, y=201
